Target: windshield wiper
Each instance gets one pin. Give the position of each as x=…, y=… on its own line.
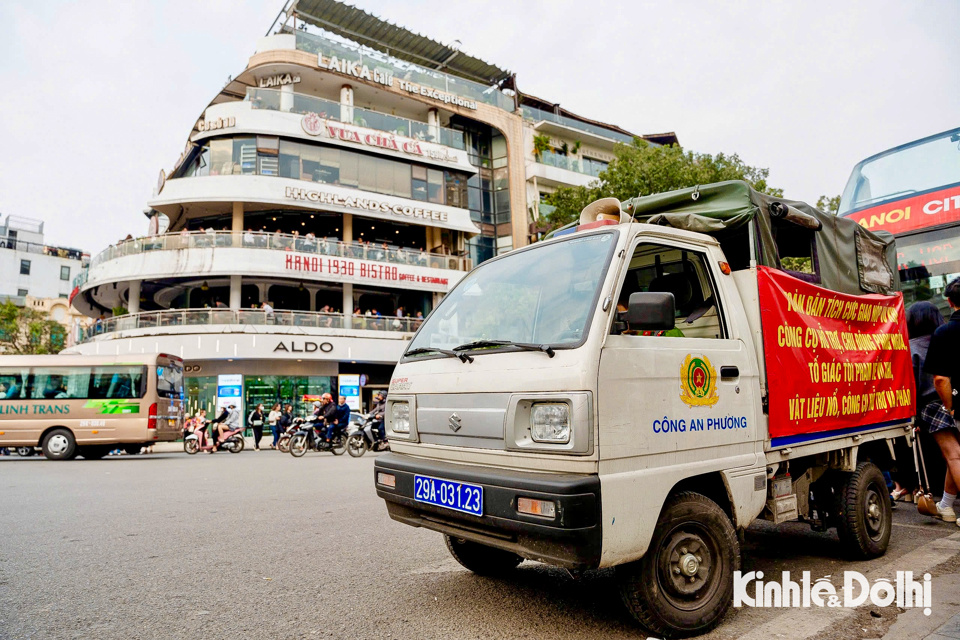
x=479, y=344
x=453, y=354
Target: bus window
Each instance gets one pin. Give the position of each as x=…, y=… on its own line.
x=117, y=382
x=57, y=383
x=12, y=383
x=170, y=381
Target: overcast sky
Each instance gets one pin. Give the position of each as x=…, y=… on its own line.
x=99, y=96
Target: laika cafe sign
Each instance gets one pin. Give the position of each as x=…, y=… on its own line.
x=918, y=212
x=355, y=69
x=315, y=125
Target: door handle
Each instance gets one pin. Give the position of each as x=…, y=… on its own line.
x=727, y=373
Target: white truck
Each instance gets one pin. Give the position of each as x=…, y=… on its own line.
x=603, y=399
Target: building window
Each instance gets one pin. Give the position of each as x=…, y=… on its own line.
x=21, y=292
x=24, y=267
x=64, y=272
x=63, y=295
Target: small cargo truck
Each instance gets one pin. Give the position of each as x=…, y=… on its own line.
x=636, y=390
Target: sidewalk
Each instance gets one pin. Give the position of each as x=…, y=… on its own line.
x=177, y=447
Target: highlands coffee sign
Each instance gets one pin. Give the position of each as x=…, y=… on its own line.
x=314, y=125
x=364, y=204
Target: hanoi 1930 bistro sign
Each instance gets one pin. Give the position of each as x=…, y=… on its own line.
x=358, y=269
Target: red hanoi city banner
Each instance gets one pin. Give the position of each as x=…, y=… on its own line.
x=834, y=361
x=918, y=212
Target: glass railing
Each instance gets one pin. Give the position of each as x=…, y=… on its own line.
x=206, y=317
x=276, y=100
x=41, y=249
x=332, y=247
x=585, y=166
x=537, y=115
x=404, y=71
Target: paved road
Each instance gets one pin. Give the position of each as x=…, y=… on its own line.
x=261, y=545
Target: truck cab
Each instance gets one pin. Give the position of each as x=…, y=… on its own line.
x=600, y=400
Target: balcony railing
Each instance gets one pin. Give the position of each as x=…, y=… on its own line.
x=538, y=115
x=403, y=70
x=259, y=317
x=41, y=249
x=276, y=100
x=586, y=166
x=333, y=247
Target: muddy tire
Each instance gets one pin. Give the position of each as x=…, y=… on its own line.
x=683, y=586
x=481, y=559
x=864, y=516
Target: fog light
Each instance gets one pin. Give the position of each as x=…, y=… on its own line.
x=387, y=479
x=532, y=507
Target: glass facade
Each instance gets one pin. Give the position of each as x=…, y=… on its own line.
x=273, y=156
x=299, y=391
x=272, y=100
x=488, y=192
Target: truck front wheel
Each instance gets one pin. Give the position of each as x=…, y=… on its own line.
x=684, y=584
x=864, y=517
x=481, y=559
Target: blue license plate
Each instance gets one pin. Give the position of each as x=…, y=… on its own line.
x=459, y=496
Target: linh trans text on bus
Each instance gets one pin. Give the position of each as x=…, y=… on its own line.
x=636, y=390
x=70, y=405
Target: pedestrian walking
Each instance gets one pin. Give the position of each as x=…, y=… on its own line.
x=273, y=419
x=255, y=420
x=938, y=416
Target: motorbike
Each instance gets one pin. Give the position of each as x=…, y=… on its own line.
x=365, y=439
x=200, y=440
x=26, y=452
x=307, y=438
x=283, y=443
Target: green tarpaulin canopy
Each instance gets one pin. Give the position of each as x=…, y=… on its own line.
x=843, y=256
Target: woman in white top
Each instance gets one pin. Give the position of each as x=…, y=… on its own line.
x=273, y=419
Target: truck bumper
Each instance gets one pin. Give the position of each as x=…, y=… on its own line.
x=572, y=539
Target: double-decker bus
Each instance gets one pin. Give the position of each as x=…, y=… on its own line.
x=70, y=405
x=913, y=191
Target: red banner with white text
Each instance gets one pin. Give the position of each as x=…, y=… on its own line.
x=834, y=361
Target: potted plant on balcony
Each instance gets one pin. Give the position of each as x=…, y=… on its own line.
x=541, y=143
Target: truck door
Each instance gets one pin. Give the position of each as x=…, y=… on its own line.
x=672, y=404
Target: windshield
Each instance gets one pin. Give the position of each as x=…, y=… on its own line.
x=169, y=379
x=542, y=295
x=906, y=170
x=927, y=262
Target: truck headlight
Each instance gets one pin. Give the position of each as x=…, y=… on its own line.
x=550, y=423
x=400, y=417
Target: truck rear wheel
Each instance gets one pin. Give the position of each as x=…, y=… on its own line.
x=684, y=584
x=481, y=559
x=864, y=517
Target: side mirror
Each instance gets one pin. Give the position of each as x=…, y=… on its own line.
x=651, y=311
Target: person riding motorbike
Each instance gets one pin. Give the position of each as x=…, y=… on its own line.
x=228, y=420
x=328, y=412
x=378, y=411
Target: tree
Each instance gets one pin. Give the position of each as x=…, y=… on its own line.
x=25, y=331
x=830, y=205
x=641, y=169
x=541, y=143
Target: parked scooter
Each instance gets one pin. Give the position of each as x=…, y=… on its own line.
x=366, y=439
x=200, y=440
x=307, y=438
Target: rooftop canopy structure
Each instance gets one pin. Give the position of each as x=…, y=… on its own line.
x=368, y=30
